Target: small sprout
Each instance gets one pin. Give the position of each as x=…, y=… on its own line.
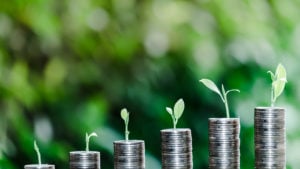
x=125, y=117
x=212, y=86
x=278, y=82
x=36, y=148
x=87, y=140
x=177, y=112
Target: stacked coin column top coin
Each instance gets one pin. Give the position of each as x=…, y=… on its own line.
x=39, y=166
x=176, y=149
x=224, y=143
x=84, y=160
x=269, y=124
x=129, y=154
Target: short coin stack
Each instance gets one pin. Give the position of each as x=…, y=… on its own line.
x=85, y=160
x=176, y=148
x=129, y=154
x=224, y=143
x=269, y=138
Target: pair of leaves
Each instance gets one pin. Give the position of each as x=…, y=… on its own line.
x=177, y=111
x=278, y=82
x=223, y=94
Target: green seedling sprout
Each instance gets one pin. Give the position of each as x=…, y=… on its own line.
x=278, y=82
x=212, y=86
x=125, y=117
x=36, y=148
x=87, y=140
x=177, y=111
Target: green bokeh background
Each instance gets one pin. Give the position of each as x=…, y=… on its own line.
x=68, y=67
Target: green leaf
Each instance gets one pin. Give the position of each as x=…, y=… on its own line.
x=211, y=85
x=278, y=87
x=169, y=110
x=280, y=82
x=178, y=108
x=232, y=90
x=280, y=73
x=272, y=75
x=124, y=114
x=93, y=134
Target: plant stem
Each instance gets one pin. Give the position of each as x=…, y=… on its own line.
x=174, y=121
x=126, y=130
x=272, y=96
x=226, y=107
x=225, y=101
x=86, y=142
x=38, y=153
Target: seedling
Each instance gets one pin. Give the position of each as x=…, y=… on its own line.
x=36, y=148
x=87, y=140
x=278, y=82
x=125, y=117
x=212, y=86
x=177, y=111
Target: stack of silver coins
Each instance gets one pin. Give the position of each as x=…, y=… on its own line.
x=269, y=124
x=84, y=160
x=176, y=149
x=129, y=154
x=224, y=143
x=37, y=166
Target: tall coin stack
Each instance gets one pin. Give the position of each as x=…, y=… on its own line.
x=224, y=143
x=176, y=148
x=129, y=154
x=84, y=160
x=269, y=124
x=37, y=166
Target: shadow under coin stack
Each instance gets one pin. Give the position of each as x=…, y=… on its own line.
x=176, y=148
x=224, y=143
x=269, y=138
x=129, y=154
x=85, y=160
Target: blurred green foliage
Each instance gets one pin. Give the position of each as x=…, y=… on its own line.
x=68, y=67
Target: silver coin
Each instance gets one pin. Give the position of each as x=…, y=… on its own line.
x=37, y=166
x=84, y=160
x=129, y=154
x=224, y=143
x=269, y=126
x=176, y=149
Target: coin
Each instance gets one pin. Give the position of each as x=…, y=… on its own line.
x=84, y=160
x=129, y=154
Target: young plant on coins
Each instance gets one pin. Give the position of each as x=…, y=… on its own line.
x=39, y=165
x=269, y=126
x=176, y=112
x=85, y=159
x=176, y=143
x=224, y=134
x=128, y=154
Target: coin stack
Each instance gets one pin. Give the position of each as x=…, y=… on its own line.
x=224, y=143
x=129, y=154
x=37, y=166
x=85, y=160
x=176, y=148
x=269, y=124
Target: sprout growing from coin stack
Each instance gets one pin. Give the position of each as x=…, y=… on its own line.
x=128, y=154
x=176, y=143
x=224, y=134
